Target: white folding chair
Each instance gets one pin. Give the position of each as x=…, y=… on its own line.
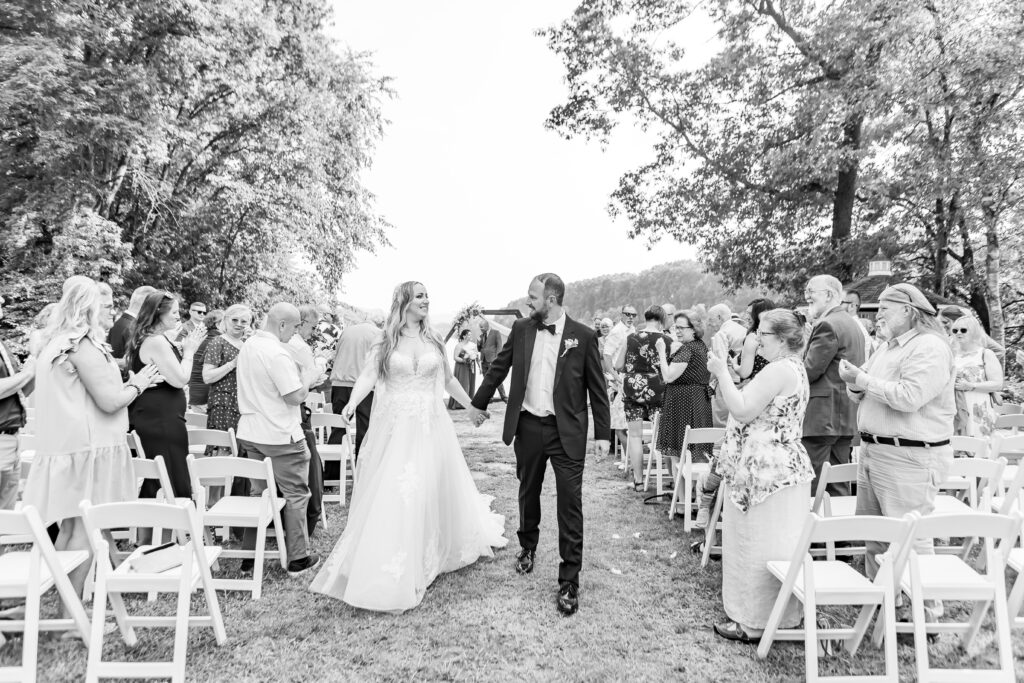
x=26, y=455
x=114, y=582
x=1013, y=501
x=832, y=582
x=948, y=577
x=195, y=420
x=830, y=506
x=1011, y=448
x=342, y=453
x=689, y=473
x=29, y=574
x=656, y=465
x=983, y=481
x=315, y=401
x=964, y=446
x=240, y=511
x=1010, y=409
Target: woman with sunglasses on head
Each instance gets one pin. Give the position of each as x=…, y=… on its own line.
x=979, y=378
x=219, y=368
x=158, y=415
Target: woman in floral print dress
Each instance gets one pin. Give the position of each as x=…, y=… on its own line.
x=642, y=386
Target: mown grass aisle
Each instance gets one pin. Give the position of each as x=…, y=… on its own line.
x=645, y=610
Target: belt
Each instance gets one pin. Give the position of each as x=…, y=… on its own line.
x=896, y=441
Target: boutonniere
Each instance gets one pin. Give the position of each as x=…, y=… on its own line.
x=568, y=345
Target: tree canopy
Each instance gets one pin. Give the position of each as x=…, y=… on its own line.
x=814, y=135
x=214, y=149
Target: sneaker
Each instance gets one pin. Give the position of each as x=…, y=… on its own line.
x=296, y=567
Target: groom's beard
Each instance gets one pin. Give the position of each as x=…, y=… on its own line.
x=538, y=315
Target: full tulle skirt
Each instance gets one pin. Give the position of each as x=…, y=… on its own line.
x=415, y=513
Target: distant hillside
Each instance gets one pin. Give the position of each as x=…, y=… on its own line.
x=681, y=283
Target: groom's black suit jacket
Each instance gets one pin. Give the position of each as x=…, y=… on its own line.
x=577, y=373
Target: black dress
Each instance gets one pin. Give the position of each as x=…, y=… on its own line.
x=158, y=416
x=687, y=402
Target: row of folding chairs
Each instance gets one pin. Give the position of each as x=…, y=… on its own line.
x=921, y=577
x=31, y=573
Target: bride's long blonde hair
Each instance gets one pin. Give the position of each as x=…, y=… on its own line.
x=404, y=294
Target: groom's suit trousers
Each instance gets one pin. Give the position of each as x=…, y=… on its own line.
x=537, y=441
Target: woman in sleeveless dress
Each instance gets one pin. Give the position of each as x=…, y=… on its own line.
x=767, y=475
x=979, y=377
x=750, y=362
x=158, y=415
x=81, y=417
x=416, y=511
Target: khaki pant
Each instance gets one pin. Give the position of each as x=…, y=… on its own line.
x=291, y=473
x=10, y=471
x=895, y=480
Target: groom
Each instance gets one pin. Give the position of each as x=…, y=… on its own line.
x=555, y=363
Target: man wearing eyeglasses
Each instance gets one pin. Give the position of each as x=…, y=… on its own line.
x=831, y=418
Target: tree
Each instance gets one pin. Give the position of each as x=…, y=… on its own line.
x=214, y=149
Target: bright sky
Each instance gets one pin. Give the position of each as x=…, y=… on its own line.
x=482, y=197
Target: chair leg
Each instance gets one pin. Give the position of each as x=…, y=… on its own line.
x=181, y=621
x=1002, y=615
x=675, y=491
x=1016, y=600
x=712, y=530
x=687, y=498
x=978, y=612
x=257, y=569
x=920, y=634
x=99, y=617
x=810, y=631
x=30, y=641
x=860, y=628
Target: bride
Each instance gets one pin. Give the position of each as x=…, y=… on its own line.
x=416, y=511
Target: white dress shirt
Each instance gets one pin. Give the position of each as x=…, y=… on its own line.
x=540, y=383
x=266, y=373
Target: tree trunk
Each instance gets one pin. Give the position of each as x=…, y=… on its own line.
x=940, y=244
x=976, y=289
x=114, y=187
x=996, y=326
x=846, y=189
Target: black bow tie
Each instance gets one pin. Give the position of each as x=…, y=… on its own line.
x=550, y=328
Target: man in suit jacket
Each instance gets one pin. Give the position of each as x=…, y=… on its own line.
x=490, y=346
x=555, y=365
x=831, y=418
x=118, y=335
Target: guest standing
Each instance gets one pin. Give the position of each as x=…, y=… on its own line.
x=13, y=382
x=749, y=362
x=270, y=390
x=353, y=350
x=465, y=356
x=642, y=386
x=81, y=418
x=158, y=415
x=490, y=345
x=979, y=377
x=219, y=365
x=721, y=324
x=196, y=316
x=831, y=420
x=312, y=373
x=905, y=417
x=687, y=403
x=767, y=475
x=119, y=333
x=198, y=390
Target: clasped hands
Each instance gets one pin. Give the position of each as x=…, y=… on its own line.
x=478, y=416
x=849, y=372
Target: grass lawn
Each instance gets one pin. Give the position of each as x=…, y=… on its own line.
x=646, y=608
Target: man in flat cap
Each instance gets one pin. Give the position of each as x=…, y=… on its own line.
x=905, y=416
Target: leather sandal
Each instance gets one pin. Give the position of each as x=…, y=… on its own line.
x=730, y=630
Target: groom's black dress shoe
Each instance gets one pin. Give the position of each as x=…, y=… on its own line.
x=568, y=599
x=524, y=561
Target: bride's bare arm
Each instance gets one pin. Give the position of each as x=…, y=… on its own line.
x=455, y=390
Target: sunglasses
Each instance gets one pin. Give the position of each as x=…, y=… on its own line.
x=629, y=315
x=959, y=330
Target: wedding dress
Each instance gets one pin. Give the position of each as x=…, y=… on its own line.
x=415, y=511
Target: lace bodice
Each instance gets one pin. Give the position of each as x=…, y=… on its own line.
x=414, y=383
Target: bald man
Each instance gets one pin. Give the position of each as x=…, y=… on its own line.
x=270, y=389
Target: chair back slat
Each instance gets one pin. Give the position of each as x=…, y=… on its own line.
x=1010, y=409
x=142, y=514
x=968, y=526
x=974, y=446
x=213, y=437
x=1014, y=422
x=224, y=467
x=860, y=528
x=197, y=420
x=703, y=435
x=326, y=420
x=978, y=468
x=1007, y=444
x=833, y=474
x=14, y=523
